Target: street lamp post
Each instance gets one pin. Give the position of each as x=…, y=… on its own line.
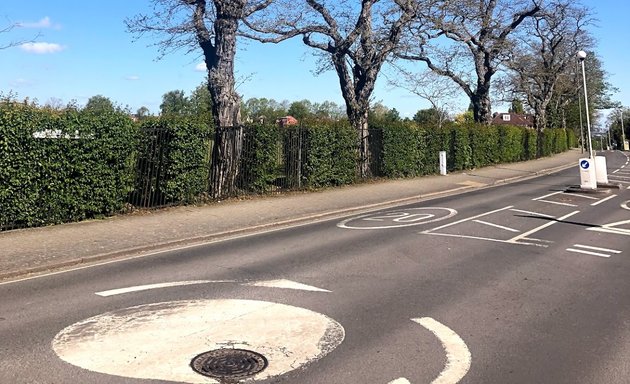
x=581, y=56
x=623, y=134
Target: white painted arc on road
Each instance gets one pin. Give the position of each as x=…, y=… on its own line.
x=626, y=205
x=158, y=341
x=402, y=380
x=399, y=216
x=281, y=283
x=458, y=357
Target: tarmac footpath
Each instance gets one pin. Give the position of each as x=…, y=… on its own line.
x=32, y=251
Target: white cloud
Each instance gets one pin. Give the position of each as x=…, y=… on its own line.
x=42, y=48
x=20, y=82
x=132, y=78
x=201, y=67
x=43, y=23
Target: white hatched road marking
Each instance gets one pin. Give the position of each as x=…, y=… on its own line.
x=610, y=228
x=548, y=195
x=496, y=225
x=557, y=203
x=467, y=219
x=532, y=213
x=526, y=234
x=604, y=200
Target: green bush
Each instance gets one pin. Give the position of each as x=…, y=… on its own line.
x=61, y=166
x=262, y=158
x=173, y=162
x=403, y=153
x=331, y=154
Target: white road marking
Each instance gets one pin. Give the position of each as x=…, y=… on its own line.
x=147, y=287
x=526, y=234
x=603, y=200
x=596, y=248
x=583, y=196
x=624, y=205
x=403, y=218
x=157, y=341
x=548, y=195
x=467, y=219
x=487, y=239
x=617, y=170
x=532, y=213
x=281, y=283
x=587, y=252
x=458, y=357
x=610, y=228
x=402, y=380
x=557, y=203
x=286, y=284
x=496, y=225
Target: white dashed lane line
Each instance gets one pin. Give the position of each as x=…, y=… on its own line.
x=593, y=251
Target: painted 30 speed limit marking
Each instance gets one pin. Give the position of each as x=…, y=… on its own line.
x=398, y=218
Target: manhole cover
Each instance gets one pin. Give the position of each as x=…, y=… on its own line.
x=229, y=363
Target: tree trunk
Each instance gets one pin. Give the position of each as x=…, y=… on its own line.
x=226, y=103
x=359, y=121
x=481, y=98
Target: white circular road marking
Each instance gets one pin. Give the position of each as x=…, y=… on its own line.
x=625, y=205
x=158, y=341
x=458, y=357
x=398, y=218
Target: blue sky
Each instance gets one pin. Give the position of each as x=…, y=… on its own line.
x=84, y=50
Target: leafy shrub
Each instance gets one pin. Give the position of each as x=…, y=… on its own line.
x=60, y=166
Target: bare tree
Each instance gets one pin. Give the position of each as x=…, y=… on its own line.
x=13, y=43
x=354, y=40
x=212, y=26
x=460, y=37
x=438, y=90
x=546, y=54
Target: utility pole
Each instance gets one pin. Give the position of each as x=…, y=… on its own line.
x=623, y=134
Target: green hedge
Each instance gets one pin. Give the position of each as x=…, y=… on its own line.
x=79, y=168
x=179, y=148
x=330, y=154
x=262, y=158
x=412, y=150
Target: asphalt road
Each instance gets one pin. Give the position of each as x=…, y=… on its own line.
x=521, y=283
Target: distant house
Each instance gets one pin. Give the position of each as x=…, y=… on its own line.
x=287, y=121
x=521, y=120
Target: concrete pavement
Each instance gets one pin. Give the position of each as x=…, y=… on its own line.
x=38, y=250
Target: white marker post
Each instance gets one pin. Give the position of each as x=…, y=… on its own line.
x=588, y=178
x=443, y=163
x=601, y=172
